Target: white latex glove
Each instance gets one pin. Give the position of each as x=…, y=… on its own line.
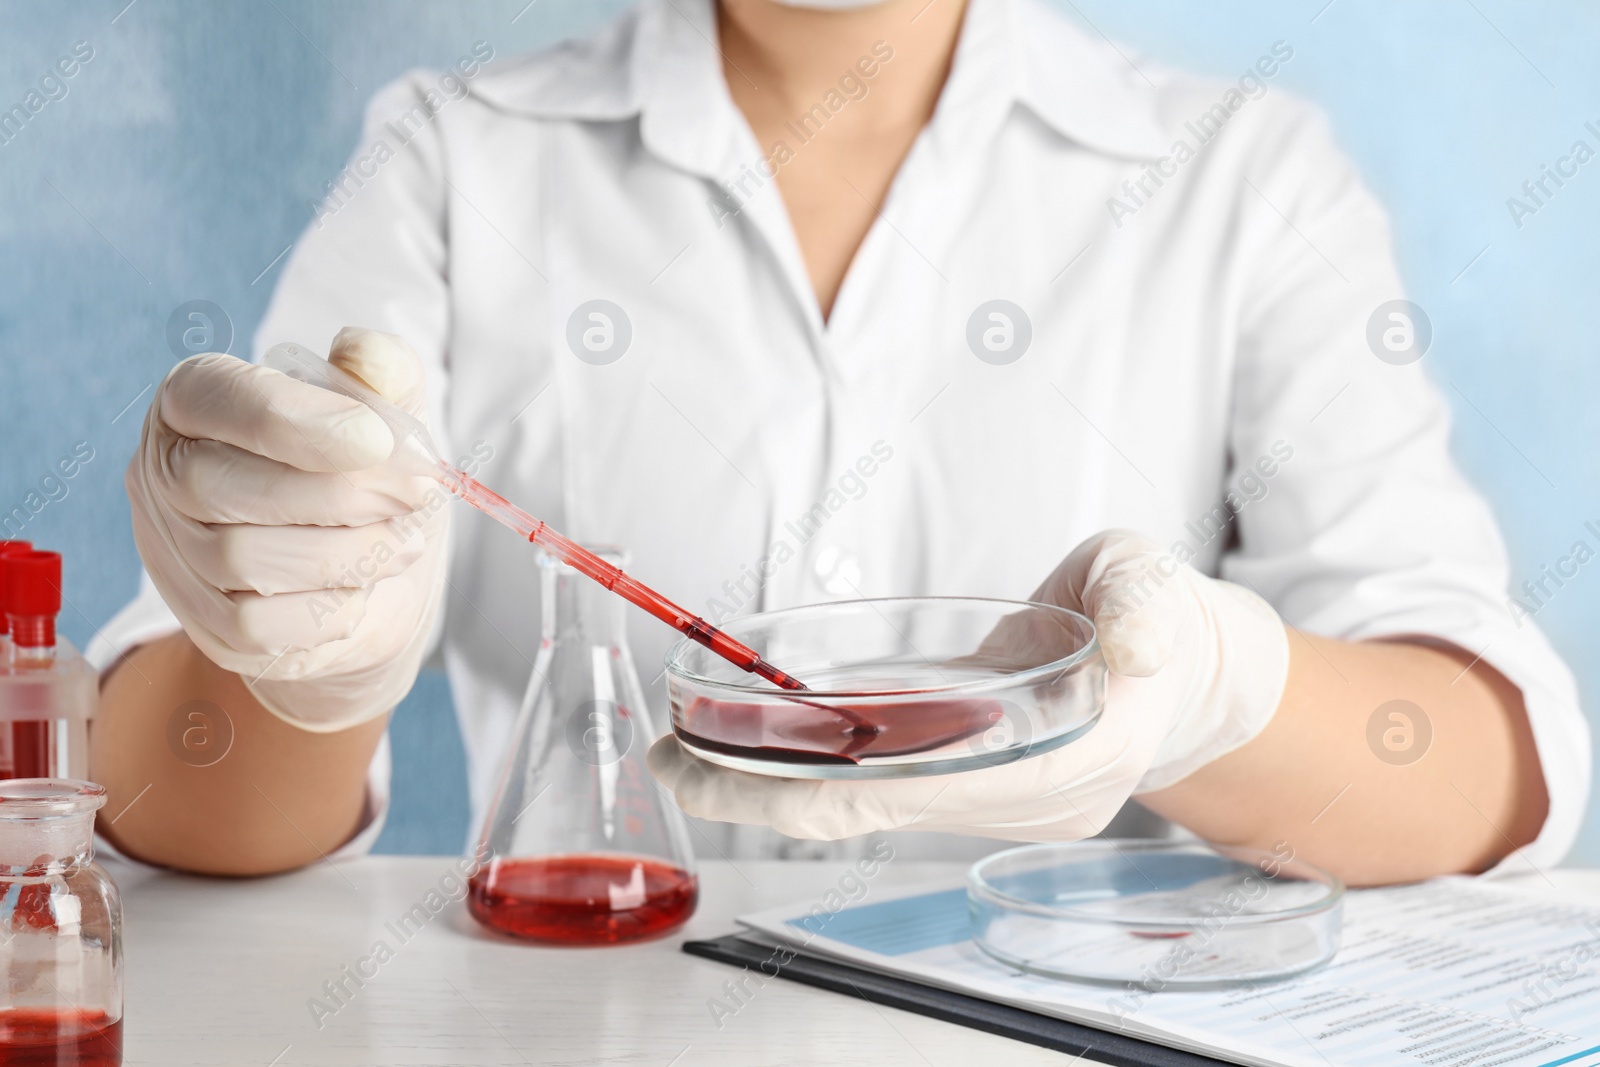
x=264, y=515
x=1198, y=667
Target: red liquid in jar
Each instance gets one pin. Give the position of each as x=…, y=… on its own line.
x=68, y=1038
x=30, y=750
x=813, y=733
x=583, y=900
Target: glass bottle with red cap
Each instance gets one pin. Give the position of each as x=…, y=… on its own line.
x=6, y=548
x=48, y=691
x=60, y=929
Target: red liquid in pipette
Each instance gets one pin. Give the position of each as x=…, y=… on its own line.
x=34, y=1037
x=583, y=900
x=613, y=578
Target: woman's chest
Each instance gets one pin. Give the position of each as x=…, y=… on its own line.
x=641, y=351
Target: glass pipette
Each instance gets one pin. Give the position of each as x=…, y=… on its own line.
x=416, y=453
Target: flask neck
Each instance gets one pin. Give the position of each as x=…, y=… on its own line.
x=577, y=608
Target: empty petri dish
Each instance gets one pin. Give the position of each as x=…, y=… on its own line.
x=895, y=687
x=1154, y=914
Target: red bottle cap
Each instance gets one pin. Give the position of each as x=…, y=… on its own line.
x=32, y=585
x=7, y=547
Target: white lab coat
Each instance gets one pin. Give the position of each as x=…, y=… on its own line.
x=1196, y=365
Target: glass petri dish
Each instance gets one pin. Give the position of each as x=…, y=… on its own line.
x=897, y=687
x=1154, y=914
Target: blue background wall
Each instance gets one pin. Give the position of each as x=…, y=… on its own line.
x=180, y=164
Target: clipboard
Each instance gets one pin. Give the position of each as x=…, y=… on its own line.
x=1005, y=1020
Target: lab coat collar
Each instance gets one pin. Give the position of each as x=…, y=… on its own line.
x=1085, y=89
x=586, y=78
x=659, y=62
x=1017, y=52
x=686, y=114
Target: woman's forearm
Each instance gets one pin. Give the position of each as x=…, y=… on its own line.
x=279, y=797
x=1386, y=761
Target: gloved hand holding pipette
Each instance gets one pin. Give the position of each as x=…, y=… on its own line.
x=292, y=552
x=1198, y=667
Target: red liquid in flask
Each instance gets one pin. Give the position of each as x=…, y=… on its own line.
x=798, y=732
x=583, y=900
x=47, y=1038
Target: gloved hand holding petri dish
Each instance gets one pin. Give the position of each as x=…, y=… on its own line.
x=895, y=688
x=1033, y=725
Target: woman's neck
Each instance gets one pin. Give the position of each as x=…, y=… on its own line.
x=835, y=100
x=782, y=60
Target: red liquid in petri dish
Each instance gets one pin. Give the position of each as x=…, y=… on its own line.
x=583, y=900
x=806, y=733
x=47, y=1038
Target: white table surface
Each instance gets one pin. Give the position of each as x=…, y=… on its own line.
x=220, y=972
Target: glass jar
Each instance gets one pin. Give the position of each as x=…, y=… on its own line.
x=60, y=929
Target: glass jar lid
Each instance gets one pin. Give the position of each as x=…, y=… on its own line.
x=48, y=798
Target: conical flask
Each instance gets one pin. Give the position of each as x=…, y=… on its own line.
x=582, y=847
